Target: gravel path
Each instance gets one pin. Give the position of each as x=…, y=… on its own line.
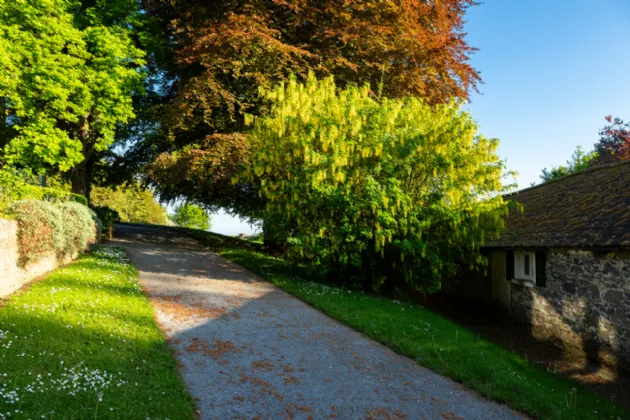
x=249, y=350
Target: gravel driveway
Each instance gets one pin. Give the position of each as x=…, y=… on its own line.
x=249, y=350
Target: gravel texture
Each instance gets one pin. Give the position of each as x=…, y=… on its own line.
x=247, y=349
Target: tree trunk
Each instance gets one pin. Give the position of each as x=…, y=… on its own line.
x=81, y=174
x=81, y=177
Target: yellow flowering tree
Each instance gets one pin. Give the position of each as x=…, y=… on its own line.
x=388, y=192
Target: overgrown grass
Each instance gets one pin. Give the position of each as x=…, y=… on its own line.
x=435, y=342
x=83, y=344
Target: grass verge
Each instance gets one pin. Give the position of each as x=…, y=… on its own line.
x=432, y=340
x=83, y=343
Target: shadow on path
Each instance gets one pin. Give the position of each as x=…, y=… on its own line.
x=246, y=348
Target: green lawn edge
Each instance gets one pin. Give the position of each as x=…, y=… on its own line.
x=83, y=343
x=432, y=340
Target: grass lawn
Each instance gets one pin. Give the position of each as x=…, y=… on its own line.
x=83, y=344
x=433, y=341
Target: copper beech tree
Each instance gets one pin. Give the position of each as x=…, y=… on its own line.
x=226, y=51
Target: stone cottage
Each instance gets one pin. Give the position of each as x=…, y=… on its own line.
x=563, y=265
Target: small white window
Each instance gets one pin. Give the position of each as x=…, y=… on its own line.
x=525, y=265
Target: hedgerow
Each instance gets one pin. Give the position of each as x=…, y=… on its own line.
x=13, y=187
x=79, y=227
x=40, y=229
x=61, y=229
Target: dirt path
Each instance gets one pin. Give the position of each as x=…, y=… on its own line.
x=248, y=349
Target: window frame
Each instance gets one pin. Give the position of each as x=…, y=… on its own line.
x=519, y=266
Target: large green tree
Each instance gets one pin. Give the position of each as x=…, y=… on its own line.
x=389, y=191
x=68, y=73
x=191, y=216
x=227, y=51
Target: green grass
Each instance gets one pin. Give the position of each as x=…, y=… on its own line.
x=433, y=341
x=83, y=344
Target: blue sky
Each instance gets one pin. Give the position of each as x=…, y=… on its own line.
x=552, y=70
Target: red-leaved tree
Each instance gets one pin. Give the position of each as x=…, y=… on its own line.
x=614, y=141
x=224, y=52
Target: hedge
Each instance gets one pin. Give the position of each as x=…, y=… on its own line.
x=45, y=227
x=40, y=229
x=14, y=188
x=79, y=227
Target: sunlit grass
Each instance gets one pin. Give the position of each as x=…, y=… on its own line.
x=435, y=342
x=83, y=343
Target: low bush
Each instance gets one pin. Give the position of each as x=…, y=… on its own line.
x=40, y=229
x=107, y=215
x=78, y=198
x=79, y=227
x=44, y=228
x=98, y=224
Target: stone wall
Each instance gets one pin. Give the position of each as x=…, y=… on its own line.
x=585, y=305
x=12, y=276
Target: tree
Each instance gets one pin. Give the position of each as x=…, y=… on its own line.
x=227, y=51
x=393, y=192
x=580, y=160
x=132, y=202
x=191, y=216
x=614, y=141
x=68, y=73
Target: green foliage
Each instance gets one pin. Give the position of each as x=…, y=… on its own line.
x=45, y=227
x=133, y=203
x=89, y=325
x=78, y=198
x=433, y=341
x=106, y=215
x=14, y=188
x=580, y=160
x=41, y=229
x=376, y=190
x=68, y=70
x=79, y=225
x=191, y=216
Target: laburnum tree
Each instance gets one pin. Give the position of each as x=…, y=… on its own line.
x=389, y=192
x=227, y=51
x=614, y=141
x=68, y=73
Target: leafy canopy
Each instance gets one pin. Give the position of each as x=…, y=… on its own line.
x=132, y=202
x=613, y=146
x=225, y=51
x=68, y=70
x=376, y=189
x=614, y=141
x=191, y=216
x=580, y=160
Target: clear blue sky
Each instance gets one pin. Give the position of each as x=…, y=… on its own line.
x=552, y=69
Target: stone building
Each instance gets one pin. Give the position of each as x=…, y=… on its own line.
x=563, y=265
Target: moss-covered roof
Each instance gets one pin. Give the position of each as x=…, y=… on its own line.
x=590, y=209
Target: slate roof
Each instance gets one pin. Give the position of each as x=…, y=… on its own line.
x=590, y=209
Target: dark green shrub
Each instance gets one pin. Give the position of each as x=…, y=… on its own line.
x=79, y=227
x=78, y=198
x=107, y=215
x=40, y=229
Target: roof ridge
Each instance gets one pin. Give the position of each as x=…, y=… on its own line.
x=594, y=168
